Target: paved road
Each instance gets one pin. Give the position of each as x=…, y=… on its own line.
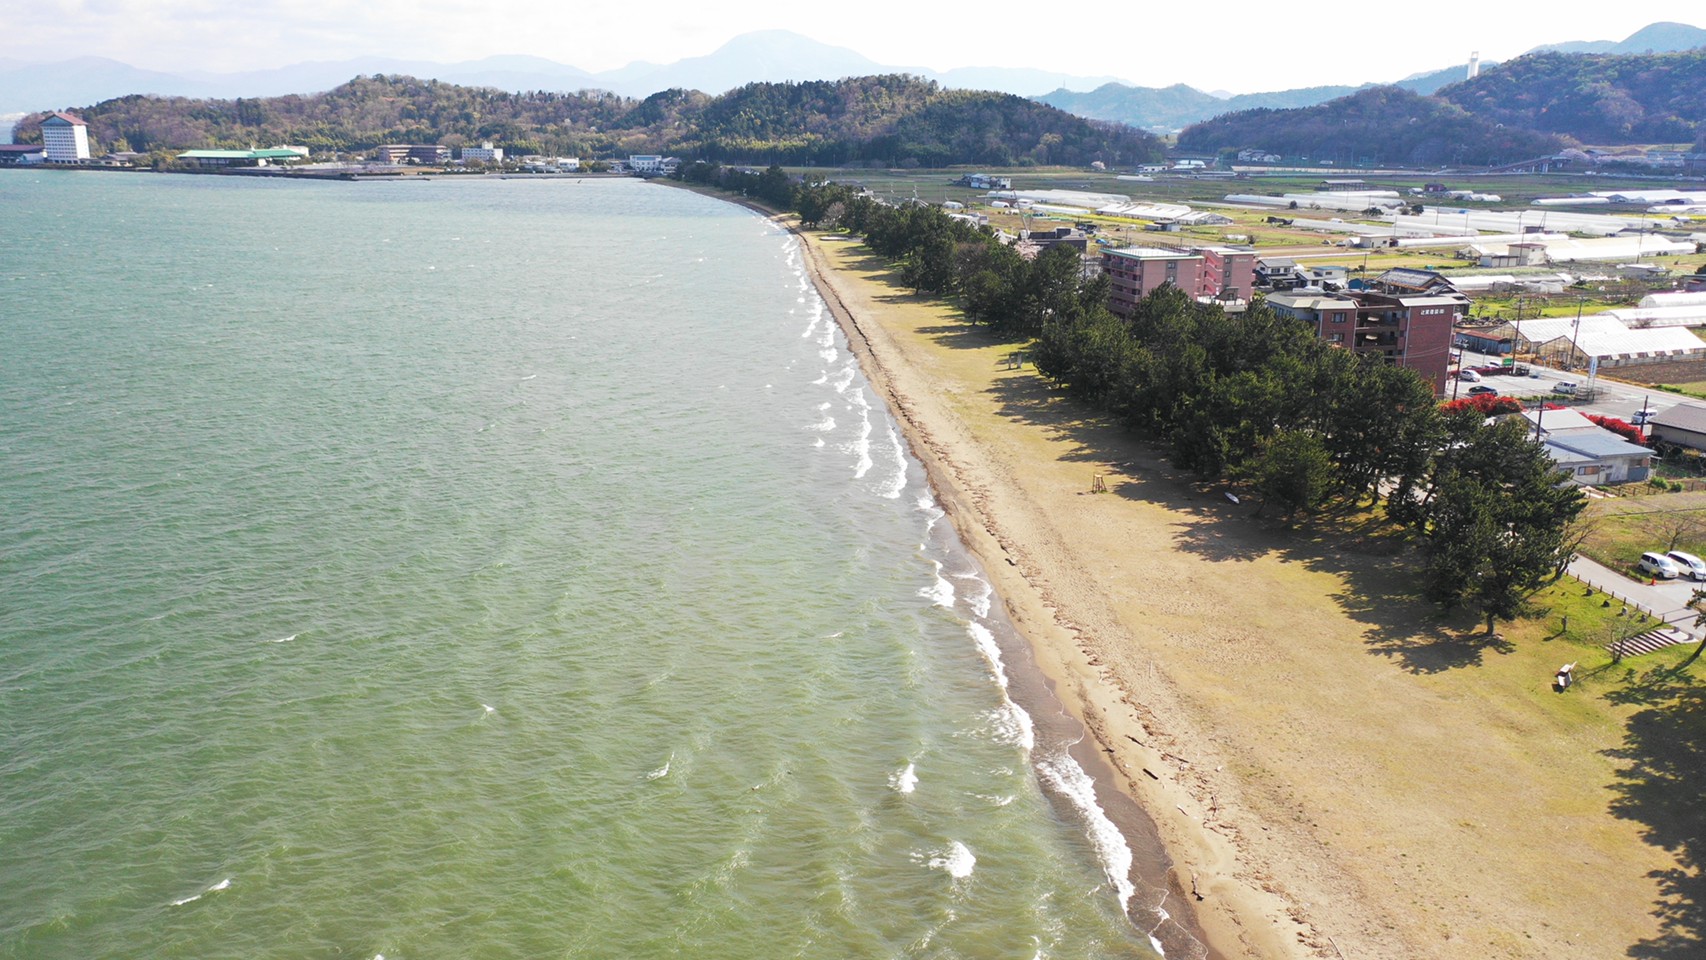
x=1614, y=399
x=1667, y=600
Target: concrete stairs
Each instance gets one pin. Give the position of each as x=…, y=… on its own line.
x=1654, y=640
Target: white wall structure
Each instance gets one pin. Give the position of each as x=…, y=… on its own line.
x=65, y=137
x=484, y=151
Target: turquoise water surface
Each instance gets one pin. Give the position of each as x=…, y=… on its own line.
x=488, y=569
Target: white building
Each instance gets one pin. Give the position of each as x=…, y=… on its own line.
x=65, y=137
x=645, y=162
x=485, y=152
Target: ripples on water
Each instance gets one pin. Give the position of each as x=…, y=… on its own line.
x=487, y=569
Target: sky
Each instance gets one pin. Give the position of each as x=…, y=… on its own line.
x=1233, y=45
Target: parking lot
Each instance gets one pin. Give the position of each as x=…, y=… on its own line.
x=1595, y=394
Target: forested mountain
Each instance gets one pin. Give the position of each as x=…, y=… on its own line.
x=1379, y=125
x=1594, y=99
x=1522, y=108
x=886, y=119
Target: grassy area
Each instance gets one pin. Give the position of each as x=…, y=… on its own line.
x=1571, y=613
x=1621, y=530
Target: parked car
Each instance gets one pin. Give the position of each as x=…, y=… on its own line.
x=1692, y=566
x=1481, y=390
x=1469, y=376
x=1641, y=417
x=1566, y=388
x=1658, y=565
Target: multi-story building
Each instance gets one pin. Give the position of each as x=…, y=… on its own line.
x=64, y=138
x=1207, y=273
x=1407, y=331
x=418, y=152
x=485, y=153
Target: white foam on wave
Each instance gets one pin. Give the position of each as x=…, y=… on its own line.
x=904, y=781
x=981, y=595
x=862, y=441
x=941, y=592
x=843, y=378
x=818, y=442
x=531, y=376
x=897, y=481
x=984, y=639
x=488, y=708
x=662, y=771
x=955, y=860
x=993, y=800
x=823, y=426
x=1010, y=724
x=816, y=307
x=285, y=639
x=932, y=513
x=221, y=885
x=1062, y=774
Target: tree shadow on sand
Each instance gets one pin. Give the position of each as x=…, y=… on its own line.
x=1664, y=752
x=1367, y=554
x=1664, y=748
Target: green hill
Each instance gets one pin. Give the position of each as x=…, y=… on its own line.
x=1379, y=125
x=892, y=119
x=1594, y=99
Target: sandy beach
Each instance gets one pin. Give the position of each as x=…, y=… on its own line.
x=1278, y=704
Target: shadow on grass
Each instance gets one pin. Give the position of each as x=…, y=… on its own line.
x=1659, y=787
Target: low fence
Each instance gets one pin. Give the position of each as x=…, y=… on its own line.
x=1681, y=618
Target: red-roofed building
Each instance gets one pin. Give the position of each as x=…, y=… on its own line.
x=20, y=154
x=65, y=138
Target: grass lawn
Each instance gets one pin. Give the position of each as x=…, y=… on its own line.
x=1623, y=529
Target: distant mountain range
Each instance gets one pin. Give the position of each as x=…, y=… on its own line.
x=766, y=56
x=881, y=120
x=1168, y=109
x=1534, y=105
x=1652, y=38
x=772, y=56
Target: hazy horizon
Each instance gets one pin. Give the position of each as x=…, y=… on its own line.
x=1142, y=47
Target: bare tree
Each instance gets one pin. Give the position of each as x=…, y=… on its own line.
x=1675, y=526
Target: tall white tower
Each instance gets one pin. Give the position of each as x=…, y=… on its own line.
x=1474, y=65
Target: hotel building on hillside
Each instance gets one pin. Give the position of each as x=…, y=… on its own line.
x=64, y=138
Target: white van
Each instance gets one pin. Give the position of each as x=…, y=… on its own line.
x=1659, y=565
x=1692, y=566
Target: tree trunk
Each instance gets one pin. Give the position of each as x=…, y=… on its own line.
x=1698, y=648
x=1491, y=629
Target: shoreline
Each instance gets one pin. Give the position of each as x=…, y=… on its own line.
x=1335, y=768
x=1217, y=929
x=1050, y=643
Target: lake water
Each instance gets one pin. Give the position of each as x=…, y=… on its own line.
x=489, y=569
